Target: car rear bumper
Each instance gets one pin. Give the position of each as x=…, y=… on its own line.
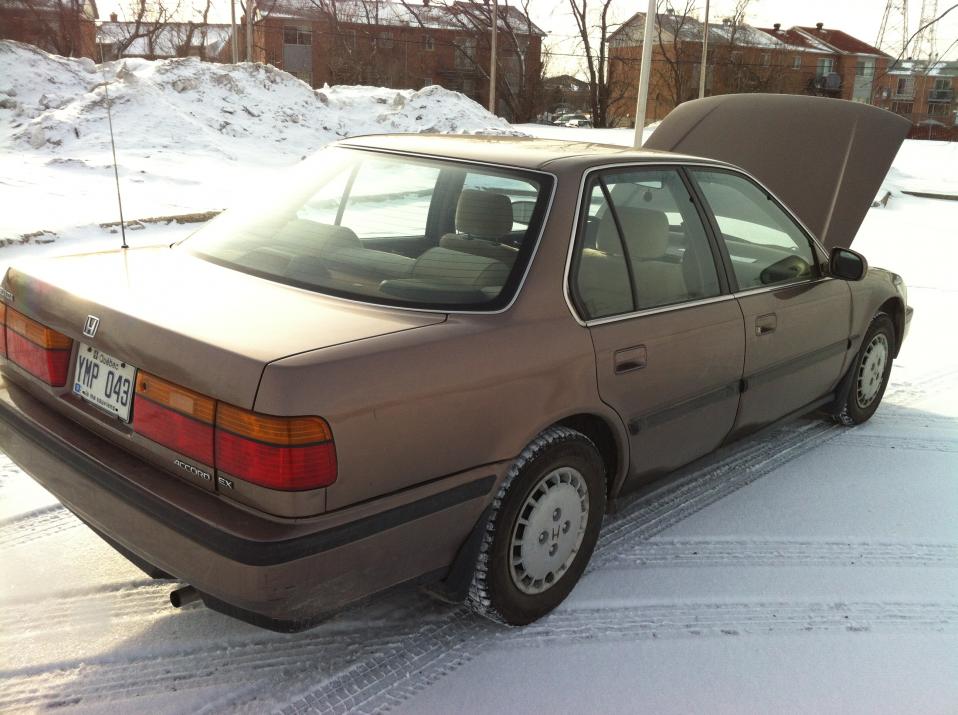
x=282, y=574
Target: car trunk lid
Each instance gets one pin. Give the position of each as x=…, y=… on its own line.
x=825, y=158
x=192, y=322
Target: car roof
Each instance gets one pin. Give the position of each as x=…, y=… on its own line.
x=518, y=151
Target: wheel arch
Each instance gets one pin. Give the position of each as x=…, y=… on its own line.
x=895, y=309
x=611, y=443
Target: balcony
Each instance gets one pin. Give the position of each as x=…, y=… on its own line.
x=941, y=95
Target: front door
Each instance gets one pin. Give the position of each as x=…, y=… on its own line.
x=667, y=333
x=797, y=321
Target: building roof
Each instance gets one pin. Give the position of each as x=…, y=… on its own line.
x=796, y=40
x=689, y=29
x=566, y=81
x=842, y=41
x=167, y=40
x=88, y=7
x=398, y=14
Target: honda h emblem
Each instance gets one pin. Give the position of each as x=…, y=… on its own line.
x=92, y=323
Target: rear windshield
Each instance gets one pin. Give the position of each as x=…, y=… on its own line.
x=389, y=229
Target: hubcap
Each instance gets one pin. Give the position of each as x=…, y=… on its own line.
x=871, y=372
x=549, y=530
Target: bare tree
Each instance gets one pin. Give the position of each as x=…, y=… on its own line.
x=148, y=20
x=519, y=57
x=185, y=44
x=59, y=25
x=679, y=50
x=593, y=25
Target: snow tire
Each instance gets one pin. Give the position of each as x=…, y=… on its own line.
x=493, y=592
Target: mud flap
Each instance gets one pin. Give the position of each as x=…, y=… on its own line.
x=455, y=586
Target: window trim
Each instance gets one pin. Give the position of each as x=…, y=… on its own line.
x=685, y=164
x=579, y=222
x=819, y=272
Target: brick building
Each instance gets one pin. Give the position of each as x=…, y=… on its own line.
x=63, y=27
x=741, y=58
x=925, y=92
x=401, y=45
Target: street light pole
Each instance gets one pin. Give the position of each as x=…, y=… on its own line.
x=233, y=29
x=493, y=56
x=644, y=71
x=250, y=9
x=705, y=50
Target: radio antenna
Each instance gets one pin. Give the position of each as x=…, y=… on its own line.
x=116, y=173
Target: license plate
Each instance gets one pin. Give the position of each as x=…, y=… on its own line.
x=104, y=381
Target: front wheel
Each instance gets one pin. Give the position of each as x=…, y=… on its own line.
x=870, y=372
x=543, y=527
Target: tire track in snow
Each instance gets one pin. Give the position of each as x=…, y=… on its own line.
x=67, y=610
x=381, y=687
x=36, y=524
x=745, y=552
x=897, y=442
x=263, y=660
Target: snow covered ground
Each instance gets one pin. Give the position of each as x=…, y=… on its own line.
x=813, y=569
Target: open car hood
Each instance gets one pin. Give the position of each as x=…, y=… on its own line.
x=825, y=158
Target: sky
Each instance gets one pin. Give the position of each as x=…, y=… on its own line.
x=860, y=18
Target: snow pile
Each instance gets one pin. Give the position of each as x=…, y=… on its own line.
x=184, y=105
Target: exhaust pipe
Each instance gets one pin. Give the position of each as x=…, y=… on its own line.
x=184, y=596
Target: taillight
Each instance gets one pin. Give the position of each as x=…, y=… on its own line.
x=288, y=453
x=3, y=329
x=42, y=352
x=174, y=417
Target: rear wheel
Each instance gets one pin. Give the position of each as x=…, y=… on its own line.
x=542, y=530
x=870, y=372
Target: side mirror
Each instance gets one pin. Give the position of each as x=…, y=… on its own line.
x=847, y=264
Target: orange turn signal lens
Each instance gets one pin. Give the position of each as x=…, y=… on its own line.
x=36, y=333
x=286, y=431
x=172, y=396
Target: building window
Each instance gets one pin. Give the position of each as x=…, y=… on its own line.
x=736, y=58
x=297, y=36
x=905, y=87
x=902, y=107
x=386, y=40
x=766, y=59
x=430, y=43
x=825, y=65
x=797, y=62
x=466, y=54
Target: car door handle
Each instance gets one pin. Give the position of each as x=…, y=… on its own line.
x=630, y=359
x=765, y=324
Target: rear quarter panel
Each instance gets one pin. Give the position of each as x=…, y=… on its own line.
x=419, y=405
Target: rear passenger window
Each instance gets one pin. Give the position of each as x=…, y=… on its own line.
x=766, y=247
x=642, y=245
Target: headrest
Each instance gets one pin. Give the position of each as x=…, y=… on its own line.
x=484, y=214
x=646, y=232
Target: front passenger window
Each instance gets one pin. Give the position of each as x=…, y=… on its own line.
x=765, y=245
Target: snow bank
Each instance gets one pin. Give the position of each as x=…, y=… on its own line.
x=51, y=103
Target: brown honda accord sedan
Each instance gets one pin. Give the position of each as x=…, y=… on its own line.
x=443, y=358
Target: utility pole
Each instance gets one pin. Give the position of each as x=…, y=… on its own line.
x=705, y=51
x=233, y=29
x=643, y=95
x=250, y=9
x=493, y=56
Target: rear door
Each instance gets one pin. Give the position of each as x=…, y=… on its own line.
x=667, y=333
x=797, y=320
